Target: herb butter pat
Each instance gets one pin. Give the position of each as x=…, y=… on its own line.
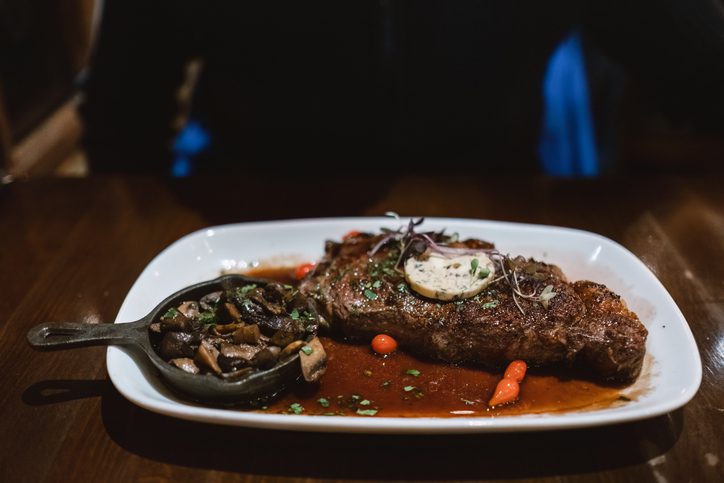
x=442, y=277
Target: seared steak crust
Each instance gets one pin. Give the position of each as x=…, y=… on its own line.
x=361, y=296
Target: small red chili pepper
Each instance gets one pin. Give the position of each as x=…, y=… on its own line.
x=303, y=269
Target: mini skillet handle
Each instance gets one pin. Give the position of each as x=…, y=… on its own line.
x=66, y=335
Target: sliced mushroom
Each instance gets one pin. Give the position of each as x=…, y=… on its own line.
x=206, y=355
x=271, y=323
x=241, y=351
x=190, y=309
x=228, y=328
x=234, y=357
x=210, y=301
x=233, y=311
x=248, y=334
x=175, y=321
x=269, y=300
x=177, y=344
x=215, y=341
x=283, y=337
x=185, y=364
x=291, y=348
x=313, y=359
x=267, y=357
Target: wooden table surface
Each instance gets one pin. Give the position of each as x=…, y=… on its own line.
x=71, y=249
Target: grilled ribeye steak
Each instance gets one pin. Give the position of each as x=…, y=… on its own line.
x=583, y=324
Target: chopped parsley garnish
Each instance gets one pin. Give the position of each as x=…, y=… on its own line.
x=323, y=402
x=408, y=388
x=243, y=291
x=294, y=314
x=386, y=384
x=356, y=398
x=296, y=408
x=491, y=304
x=366, y=412
x=246, y=303
x=307, y=350
x=401, y=287
x=388, y=271
x=412, y=372
x=376, y=284
x=170, y=313
x=370, y=294
x=365, y=402
x=207, y=318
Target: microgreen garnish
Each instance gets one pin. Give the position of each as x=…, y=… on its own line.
x=323, y=402
x=376, y=284
x=491, y=304
x=296, y=408
x=294, y=314
x=370, y=294
x=365, y=402
x=401, y=287
x=366, y=412
x=408, y=388
x=412, y=372
x=307, y=350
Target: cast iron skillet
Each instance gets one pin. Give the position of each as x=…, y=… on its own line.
x=255, y=388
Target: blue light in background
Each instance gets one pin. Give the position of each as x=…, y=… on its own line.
x=567, y=144
x=191, y=140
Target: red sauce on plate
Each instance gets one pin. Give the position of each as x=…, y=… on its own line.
x=359, y=382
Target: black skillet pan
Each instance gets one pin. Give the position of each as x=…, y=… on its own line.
x=255, y=388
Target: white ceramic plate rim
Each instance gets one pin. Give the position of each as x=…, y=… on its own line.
x=673, y=377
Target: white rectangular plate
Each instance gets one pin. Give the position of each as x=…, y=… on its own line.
x=670, y=378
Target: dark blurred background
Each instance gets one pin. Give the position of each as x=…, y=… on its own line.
x=184, y=87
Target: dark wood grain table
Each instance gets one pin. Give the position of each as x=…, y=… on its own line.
x=71, y=249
